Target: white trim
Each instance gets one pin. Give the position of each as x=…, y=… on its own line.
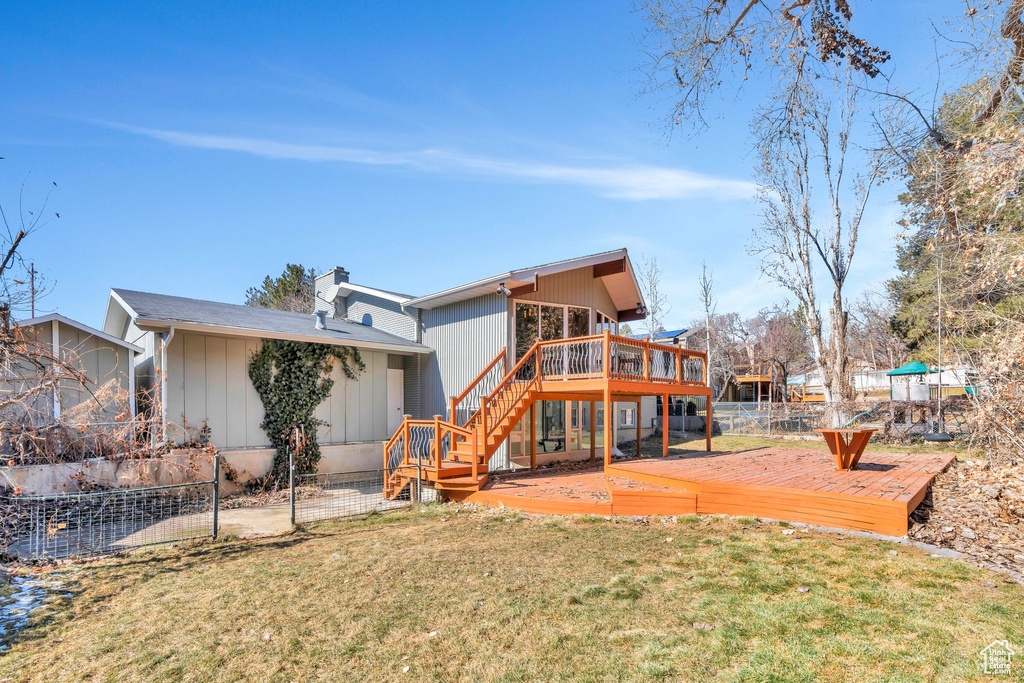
x=346, y=288
x=55, y=339
x=39, y=320
x=227, y=330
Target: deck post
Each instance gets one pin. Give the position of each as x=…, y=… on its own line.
x=533, y=435
x=679, y=366
x=708, y=421
x=639, y=426
x=593, y=430
x=664, y=426
x=476, y=457
x=405, y=441
x=607, y=423
x=437, y=443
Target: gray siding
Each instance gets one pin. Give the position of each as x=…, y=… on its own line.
x=413, y=387
x=320, y=286
x=380, y=313
x=208, y=381
x=465, y=337
x=102, y=364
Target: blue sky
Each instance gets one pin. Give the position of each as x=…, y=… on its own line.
x=198, y=147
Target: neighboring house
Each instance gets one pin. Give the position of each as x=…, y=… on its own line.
x=421, y=353
x=105, y=361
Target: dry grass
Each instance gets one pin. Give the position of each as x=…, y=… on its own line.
x=652, y=445
x=455, y=593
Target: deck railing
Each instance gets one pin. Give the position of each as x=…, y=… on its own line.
x=426, y=443
x=627, y=359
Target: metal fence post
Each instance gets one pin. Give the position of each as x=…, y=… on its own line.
x=216, y=491
x=291, y=484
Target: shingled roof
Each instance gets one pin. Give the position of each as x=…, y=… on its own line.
x=150, y=310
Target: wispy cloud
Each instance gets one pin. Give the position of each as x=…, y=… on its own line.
x=626, y=181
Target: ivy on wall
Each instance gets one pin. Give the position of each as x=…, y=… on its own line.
x=293, y=378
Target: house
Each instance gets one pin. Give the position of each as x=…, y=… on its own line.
x=104, y=360
x=194, y=361
x=449, y=354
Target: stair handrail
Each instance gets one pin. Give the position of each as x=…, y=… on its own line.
x=509, y=376
x=455, y=401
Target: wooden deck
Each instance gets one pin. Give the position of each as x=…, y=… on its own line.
x=793, y=484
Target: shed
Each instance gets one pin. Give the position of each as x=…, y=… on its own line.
x=101, y=357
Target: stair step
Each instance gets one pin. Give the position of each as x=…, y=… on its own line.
x=462, y=483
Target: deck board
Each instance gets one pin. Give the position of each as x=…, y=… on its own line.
x=794, y=484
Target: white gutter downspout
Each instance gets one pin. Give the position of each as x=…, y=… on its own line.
x=165, y=338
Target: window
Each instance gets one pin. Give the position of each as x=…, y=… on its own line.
x=533, y=321
x=627, y=417
x=603, y=323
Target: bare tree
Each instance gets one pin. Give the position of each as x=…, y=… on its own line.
x=705, y=292
x=695, y=47
x=793, y=244
x=778, y=342
x=15, y=273
x=872, y=338
x=658, y=305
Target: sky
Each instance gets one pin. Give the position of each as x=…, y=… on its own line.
x=198, y=147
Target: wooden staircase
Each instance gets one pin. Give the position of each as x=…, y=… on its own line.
x=455, y=454
x=455, y=457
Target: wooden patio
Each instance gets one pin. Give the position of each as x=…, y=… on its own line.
x=792, y=484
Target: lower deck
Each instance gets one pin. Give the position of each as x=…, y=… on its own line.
x=792, y=484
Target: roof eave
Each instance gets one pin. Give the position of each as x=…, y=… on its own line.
x=524, y=274
x=159, y=323
x=49, y=317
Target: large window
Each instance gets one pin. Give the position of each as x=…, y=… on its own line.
x=547, y=322
x=527, y=327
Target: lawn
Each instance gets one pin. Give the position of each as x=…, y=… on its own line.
x=729, y=442
x=455, y=593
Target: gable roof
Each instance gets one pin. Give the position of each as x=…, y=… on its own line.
x=64, y=320
x=622, y=284
x=161, y=311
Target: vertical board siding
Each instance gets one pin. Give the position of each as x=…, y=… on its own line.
x=216, y=386
x=413, y=386
x=465, y=336
x=236, y=395
x=98, y=360
x=208, y=381
x=381, y=313
x=254, y=434
x=576, y=287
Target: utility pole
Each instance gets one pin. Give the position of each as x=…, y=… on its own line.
x=32, y=286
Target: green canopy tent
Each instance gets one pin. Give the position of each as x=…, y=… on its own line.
x=909, y=370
